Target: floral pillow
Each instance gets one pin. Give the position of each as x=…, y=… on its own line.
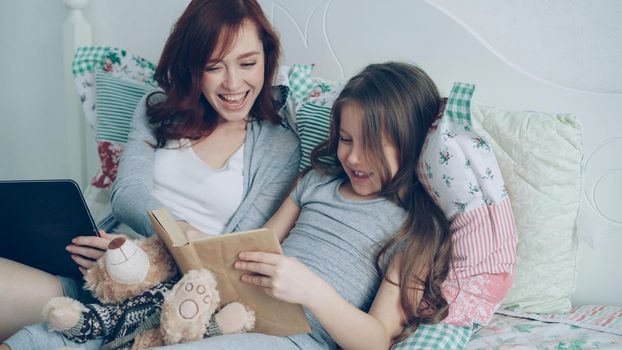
x=110, y=83
x=459, y=170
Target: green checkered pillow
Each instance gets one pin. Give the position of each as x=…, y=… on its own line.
x=458, y=107
x=438, y=336
x=314, y=100
x=300, y=81
x=85, y=60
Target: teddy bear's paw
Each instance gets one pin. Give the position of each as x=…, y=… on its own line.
x=189, y=306
x=62, y=313
x=193, y=301
x=235, y=318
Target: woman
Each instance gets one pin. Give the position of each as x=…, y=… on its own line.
x=210, y=146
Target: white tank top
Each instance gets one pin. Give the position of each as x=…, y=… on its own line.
x=195, y=192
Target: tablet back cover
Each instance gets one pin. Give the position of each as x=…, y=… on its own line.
x=38, y=219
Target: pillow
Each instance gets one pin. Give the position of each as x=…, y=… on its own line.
x=115, y=61
x=110, y=82
x=313, y=98
x=85, y=59
x=459, y=170
x=116, y=99
x=540, y=158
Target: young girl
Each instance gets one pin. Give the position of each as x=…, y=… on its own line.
x=339, y=216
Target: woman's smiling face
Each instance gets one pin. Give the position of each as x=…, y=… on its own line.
x=231, y=84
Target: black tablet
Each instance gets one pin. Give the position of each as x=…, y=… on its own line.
x=38, y=219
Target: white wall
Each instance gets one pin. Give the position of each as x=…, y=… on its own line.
x=582, y=37
x=32, y=129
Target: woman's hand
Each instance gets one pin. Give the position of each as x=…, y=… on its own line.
x=280, y=276
x=86, y=249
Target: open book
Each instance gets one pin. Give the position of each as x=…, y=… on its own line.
x=218, y=254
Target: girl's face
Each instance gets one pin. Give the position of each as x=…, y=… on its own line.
x=232, y=84
x=365, y=180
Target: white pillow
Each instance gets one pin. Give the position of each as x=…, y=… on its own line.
x=540, y=158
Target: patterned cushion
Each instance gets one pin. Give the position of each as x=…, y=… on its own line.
x=459, y=170
x=110, y=82
x=314, y=98
x=439, y=336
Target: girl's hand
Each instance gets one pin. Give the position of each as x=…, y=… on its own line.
x=280, y=276
x=86, y=249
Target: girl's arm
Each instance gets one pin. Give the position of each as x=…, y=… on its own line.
x=284, y=219
x=288, y=279
x=352, y=328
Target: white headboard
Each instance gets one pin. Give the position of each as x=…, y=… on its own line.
x=341, y=37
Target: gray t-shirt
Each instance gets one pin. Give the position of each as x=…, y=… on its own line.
x=339, y=238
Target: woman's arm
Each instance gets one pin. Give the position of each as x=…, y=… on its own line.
x=284, y=219
x=278, y=151
x=288, y=279
x=131, y=191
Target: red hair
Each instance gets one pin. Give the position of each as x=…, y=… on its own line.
x=193, y=41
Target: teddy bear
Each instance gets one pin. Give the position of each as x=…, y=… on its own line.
x=144, y=302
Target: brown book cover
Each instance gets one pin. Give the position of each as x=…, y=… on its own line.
x=218, y=254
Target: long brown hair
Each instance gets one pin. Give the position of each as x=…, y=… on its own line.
x=400, y=102
x=194, y=38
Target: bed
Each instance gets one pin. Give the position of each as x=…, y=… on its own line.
x=564, y=168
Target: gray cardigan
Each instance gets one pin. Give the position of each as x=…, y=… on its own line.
x=271, y=156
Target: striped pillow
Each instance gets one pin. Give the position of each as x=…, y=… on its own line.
x=121, y=79
x=313, y=122
x=313, y=116
x=116, y=100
